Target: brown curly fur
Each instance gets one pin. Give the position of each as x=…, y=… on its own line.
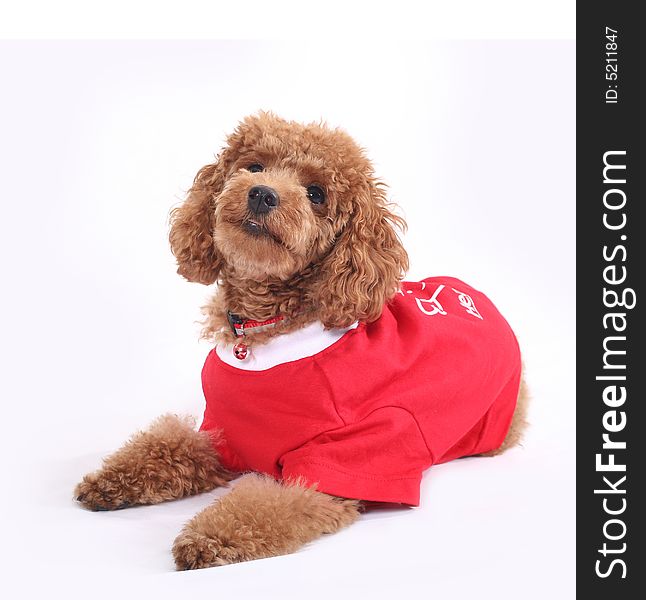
x=519, y=422
x=258, y=519
x=168, y=461
x=337, y=262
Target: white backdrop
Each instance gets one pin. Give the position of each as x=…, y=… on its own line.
x=99, y=334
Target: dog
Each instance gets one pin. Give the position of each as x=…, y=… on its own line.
x=332, y=382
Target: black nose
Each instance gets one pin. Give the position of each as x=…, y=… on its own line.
x=262, y=199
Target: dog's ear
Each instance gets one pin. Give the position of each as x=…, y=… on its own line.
x=366, y=264
x=191, y=228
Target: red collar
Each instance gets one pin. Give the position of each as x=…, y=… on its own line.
x=239, y=325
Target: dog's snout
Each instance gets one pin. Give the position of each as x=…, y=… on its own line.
x=262, y=199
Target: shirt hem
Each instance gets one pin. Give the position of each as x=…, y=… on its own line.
x=331, y=480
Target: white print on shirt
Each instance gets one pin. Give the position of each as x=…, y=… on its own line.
x=468, y=303
x=436, y=307
x=400, y=291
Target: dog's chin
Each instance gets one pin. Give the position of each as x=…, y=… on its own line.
x=255, y=252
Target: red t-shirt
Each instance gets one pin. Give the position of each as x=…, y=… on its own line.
x=436, y=377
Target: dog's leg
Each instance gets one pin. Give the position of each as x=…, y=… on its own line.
x=260, y=518
x=168, y=461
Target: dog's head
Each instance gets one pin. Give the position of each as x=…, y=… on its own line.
x=283, y=197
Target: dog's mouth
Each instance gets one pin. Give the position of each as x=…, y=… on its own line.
x=259, y=230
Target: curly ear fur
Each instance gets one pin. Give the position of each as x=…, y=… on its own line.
x=191, y=232
x=366, y=264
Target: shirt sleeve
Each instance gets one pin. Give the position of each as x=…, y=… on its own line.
x=227, y=456
x=380, y=458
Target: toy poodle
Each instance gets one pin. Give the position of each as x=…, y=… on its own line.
x=332, y=382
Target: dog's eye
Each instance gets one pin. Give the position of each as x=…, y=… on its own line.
x=255, y=168
x=315, y=194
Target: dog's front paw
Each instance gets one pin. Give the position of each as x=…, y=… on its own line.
x=101, y=491
x=195, y=550
x=260, y=518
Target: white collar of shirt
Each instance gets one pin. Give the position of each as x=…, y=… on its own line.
x=288, y=347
